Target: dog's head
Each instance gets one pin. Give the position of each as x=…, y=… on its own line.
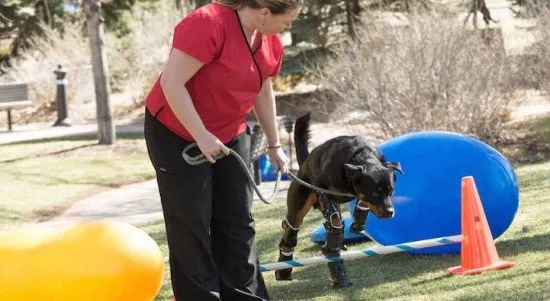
x=375, y=185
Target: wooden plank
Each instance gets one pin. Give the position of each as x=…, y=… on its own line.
x=13, y=97
x=13, y=93
x=15, y=104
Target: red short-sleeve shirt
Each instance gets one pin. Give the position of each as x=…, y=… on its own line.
x=223, y=91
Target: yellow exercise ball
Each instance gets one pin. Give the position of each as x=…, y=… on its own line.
x=89, y=261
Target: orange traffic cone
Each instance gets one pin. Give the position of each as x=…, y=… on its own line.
x=478, y=251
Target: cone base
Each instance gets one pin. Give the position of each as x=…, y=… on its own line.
x=499, y=265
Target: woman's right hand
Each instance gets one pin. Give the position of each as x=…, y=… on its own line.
x=211, y=146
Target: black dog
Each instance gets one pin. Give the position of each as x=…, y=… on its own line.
x=347, y=164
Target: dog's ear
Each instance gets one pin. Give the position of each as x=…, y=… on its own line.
x=353, y=171
x=394, y=166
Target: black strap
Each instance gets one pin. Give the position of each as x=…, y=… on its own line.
x=250, y=50
x=158, y=112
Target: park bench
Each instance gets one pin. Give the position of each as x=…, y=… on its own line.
x=13, y=96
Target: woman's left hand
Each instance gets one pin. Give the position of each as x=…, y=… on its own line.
x=278, y=159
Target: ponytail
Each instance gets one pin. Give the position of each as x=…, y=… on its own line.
x=275, y=6
x=236, y=4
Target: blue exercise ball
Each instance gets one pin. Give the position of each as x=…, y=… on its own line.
x=267, y=173
x=427, y=197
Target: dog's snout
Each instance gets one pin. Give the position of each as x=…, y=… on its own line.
x=383, y=211
x=390, y=211
x=387, y=212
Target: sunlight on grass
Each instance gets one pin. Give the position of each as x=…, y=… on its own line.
x=40, y=178
x=407, y=277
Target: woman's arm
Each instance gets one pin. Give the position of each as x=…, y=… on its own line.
x=179, y=69
x=265, y=111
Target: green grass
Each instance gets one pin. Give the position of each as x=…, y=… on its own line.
x=542, y=127
x=407, y=277
x=42, y=178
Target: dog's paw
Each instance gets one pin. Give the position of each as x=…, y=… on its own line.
x=339, y=285
x=283, y=275
x=356, y=227
x=286, y=274
x=338, y=274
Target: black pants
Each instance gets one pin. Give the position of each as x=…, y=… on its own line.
x=208, y=222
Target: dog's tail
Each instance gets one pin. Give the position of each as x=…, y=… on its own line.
x=301, y=137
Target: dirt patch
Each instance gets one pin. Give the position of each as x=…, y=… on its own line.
x=525, y=141
x=321, y=102
x=47, y=213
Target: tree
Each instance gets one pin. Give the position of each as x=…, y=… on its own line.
x=479, y=5
x=316, y=21
x=353, y=9
x=106, y=129
x=20, y=20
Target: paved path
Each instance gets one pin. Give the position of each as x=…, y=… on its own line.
x=135, y=203
x=37, y=131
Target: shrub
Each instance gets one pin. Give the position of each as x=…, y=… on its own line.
x=36, y=64
x=137, y=59
x=541, y=49
x=422, y=73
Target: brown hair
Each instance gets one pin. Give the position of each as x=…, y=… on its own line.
x=276, y=7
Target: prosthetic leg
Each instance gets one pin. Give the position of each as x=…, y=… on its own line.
x=286, y=249
x=360, y=215
x=334, y=242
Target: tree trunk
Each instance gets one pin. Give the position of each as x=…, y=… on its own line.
x=180, y=7
x=353, y=10
x=356, y=9
x=47, y=14
x=105, y=125
x=350, y=18
x=479, y=5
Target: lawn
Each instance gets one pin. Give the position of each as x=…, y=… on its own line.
x=43, y=178
x=407, y=277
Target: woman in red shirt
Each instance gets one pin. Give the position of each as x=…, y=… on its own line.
x=223, y=56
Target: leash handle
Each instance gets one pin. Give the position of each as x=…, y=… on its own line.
x=199, y=159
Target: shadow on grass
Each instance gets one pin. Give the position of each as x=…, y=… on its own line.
x=79, y=137
x=42, y=179
x=367, y=273
x=46, y=154
x=419, y=271
x=514, y=247
x=72, y=138
x=9, y=216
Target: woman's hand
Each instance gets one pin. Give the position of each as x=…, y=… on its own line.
x=278, y=159
x=211, y=146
